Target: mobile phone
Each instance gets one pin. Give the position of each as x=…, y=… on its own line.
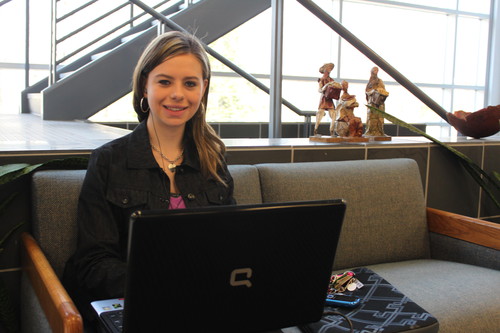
x=346, y=301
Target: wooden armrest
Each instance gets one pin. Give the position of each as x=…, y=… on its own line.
x=61, y=312
x=463, y=227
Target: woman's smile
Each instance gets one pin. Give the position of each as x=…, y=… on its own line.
x=175, y=108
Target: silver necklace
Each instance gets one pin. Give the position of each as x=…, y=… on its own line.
x=171, y=165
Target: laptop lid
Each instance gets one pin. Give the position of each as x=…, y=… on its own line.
x=245, y=268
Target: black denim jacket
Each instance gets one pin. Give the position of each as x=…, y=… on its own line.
x=122, y=177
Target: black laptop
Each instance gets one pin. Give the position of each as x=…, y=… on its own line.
x=244, y=268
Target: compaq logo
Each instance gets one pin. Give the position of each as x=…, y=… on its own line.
x=240, y=277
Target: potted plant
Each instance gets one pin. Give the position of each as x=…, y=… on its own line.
x=9, y=317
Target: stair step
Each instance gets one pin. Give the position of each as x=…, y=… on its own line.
x=65, y=74
x=100, y=54
x=35, y=103
x=131, y=36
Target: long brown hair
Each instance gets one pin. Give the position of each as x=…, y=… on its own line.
x=210, y=147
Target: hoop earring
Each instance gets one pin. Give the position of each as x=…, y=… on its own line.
x=141, y=103
x=202, y=108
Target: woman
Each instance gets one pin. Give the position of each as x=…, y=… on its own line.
x=173, y=159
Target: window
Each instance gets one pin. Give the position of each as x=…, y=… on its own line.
x=440, y=46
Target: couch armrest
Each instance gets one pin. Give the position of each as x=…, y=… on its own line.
x=61, y=312
x=465, y=228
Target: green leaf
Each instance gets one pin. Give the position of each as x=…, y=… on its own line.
x=6, y=169
x=11, y=172
x=67, y=163
x=489, y=184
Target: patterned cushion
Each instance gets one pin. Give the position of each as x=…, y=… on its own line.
x=383, y=308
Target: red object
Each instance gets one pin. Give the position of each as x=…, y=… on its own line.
x=479, y=124
x=332, y=92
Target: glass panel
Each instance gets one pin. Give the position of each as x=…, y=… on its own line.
x=242, y=48
x=471, y=52
x=413, y=42
x=448, y=4
x=468, y=100
x=37, y=75
x=39, y=32
x=234, y=99
x=12, y=43
x=302, y=94
x=11, y=83
x=120, y=111
x=307, y=43
x=476, y=6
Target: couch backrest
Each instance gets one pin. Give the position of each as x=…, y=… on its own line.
x=54, y=203
x=55, y=199
x=385, y=218
x=246, y=184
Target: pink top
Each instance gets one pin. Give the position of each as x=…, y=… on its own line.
x=176, y=202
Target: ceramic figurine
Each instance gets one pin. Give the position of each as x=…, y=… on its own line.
x=348, y=125
x=330, y=90
x=375, y=96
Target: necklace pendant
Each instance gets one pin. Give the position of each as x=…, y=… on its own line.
x=172, y=167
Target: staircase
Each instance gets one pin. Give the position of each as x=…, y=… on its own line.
x=96, y=80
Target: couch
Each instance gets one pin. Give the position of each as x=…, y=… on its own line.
x=447, y=263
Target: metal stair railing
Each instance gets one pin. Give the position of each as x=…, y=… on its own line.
x=4, y=2
x=56, y=62
x=174, y=26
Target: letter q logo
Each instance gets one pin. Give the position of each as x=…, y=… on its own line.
x=240, y=277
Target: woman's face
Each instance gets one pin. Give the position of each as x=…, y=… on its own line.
x=174, y=90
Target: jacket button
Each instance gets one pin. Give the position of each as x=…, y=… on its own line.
x=191, y=196
x=125, y=201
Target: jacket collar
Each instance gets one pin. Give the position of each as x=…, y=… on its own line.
x=140, y=155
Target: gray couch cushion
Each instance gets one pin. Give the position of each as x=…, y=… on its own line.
x=246, y=184
x=54, y=201
x=462, y=297
x=384, y=191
